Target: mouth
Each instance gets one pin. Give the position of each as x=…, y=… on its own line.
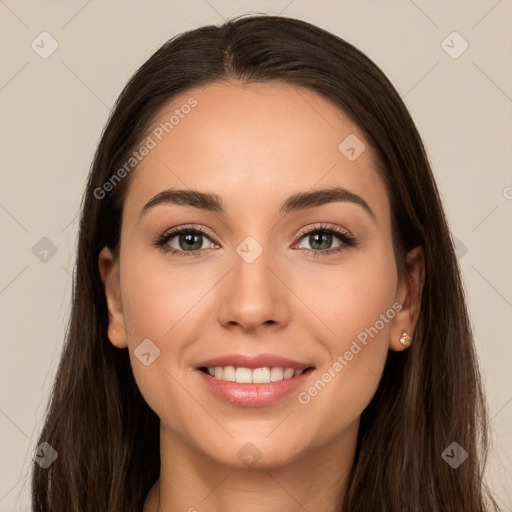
x=253, y=380
x=262, y=375
x=253, y=387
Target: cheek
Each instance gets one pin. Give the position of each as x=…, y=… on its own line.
x=356, y=310
x=350, y=296
x=160, y=306
x=158, y=299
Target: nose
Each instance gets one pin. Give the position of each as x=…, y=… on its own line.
x=253, y=294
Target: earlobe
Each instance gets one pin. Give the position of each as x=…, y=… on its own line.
x=409, y=296
x=109, y=272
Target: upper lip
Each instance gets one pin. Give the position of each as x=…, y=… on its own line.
x=253, y=361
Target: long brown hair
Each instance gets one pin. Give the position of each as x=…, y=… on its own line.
x=105, y=434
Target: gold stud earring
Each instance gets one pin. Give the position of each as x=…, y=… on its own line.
x=405, y=339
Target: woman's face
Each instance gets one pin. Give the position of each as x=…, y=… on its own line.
x=265, y=278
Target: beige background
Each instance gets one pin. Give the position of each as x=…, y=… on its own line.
x=53, y=110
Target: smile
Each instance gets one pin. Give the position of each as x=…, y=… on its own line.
x=244, y=375
x=248, y=392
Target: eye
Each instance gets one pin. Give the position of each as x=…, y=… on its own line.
x=322, y=236
x=190, y=241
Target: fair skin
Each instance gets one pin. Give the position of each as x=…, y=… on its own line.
x=255, y=146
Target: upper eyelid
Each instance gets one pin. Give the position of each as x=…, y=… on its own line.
x=171, y=233
x=325, y=226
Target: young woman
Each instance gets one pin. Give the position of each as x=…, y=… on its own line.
x=267, y=309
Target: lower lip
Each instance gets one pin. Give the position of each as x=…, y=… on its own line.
x=253, y=395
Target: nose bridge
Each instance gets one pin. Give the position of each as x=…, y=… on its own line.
x=252, y=274
x=252, y=295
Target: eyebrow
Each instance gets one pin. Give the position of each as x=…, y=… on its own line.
x=296, y=202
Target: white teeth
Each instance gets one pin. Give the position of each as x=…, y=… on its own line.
x=228, y=373
x=262, y=375
x=243, y=375
x=259, y=375
x=276, y=374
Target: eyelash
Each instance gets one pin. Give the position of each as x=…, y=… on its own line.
x=330, y=229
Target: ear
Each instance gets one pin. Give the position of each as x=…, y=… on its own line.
x=408, y=295
x=109, y=271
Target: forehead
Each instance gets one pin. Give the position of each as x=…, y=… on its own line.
x=254, y=145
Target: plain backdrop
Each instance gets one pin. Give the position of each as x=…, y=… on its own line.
x=54, y=106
